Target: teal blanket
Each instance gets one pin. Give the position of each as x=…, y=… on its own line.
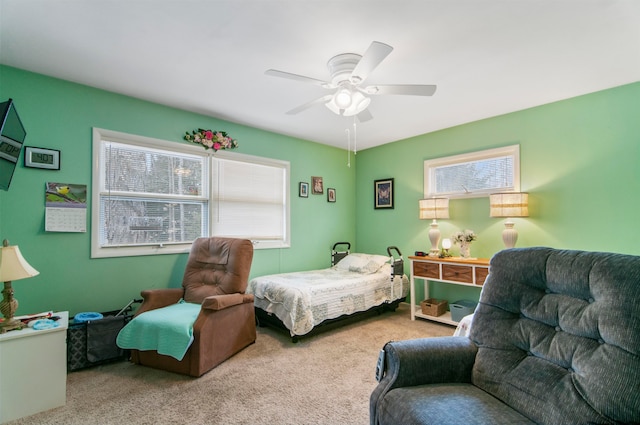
x=168, y=330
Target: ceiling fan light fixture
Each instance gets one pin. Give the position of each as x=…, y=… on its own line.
x=331, y=104
x=343, y=98
x=359, y=104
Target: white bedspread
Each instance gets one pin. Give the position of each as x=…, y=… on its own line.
x=301, y=300
x=464, y=326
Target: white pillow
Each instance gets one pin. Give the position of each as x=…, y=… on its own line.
x=362, y=263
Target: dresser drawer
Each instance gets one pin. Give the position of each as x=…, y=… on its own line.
x=481, y=275
x=431, y=270
x=457, y=273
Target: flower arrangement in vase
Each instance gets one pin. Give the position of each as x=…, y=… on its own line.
x=209, y=139
x=464, y=239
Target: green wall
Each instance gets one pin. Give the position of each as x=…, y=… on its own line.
x=580, y=163
x=60, y=115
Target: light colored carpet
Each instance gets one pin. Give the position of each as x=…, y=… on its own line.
x=323, y=379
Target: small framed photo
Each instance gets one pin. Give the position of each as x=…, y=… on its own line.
x=48, y=159
x=383, y=194
x=316, y=186
x=303, y=189
x=331, y=195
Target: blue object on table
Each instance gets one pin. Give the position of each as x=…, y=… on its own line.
x=42, y=324
x=86, y=317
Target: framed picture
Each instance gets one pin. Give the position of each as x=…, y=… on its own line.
x=316, y=186
x=331, y=195
x=383, y=194
x=48, y=159
x=303, y=189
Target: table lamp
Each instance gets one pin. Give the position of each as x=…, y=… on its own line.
x=511, y=204
x=13, y=266
x=433, y=209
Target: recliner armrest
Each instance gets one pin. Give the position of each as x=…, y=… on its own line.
x=423, y=361
x=158, y=298
x=429, y=361
x=219, y=302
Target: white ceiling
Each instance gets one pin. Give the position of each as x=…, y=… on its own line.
x=487, y=57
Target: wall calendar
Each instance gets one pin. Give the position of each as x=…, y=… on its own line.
x=65, y=207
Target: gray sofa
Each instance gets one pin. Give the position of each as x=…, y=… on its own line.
x=555, y=340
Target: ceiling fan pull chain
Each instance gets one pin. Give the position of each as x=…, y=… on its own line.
x=355, y=137
x=348, y=147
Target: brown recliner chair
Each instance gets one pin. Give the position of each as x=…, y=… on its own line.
x=216, y=276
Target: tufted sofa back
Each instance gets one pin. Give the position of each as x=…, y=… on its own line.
x=217, y=266
x=559, y=335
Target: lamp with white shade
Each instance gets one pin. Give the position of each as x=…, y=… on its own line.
x=510, y=204
x=13, y=266
x=433, y=209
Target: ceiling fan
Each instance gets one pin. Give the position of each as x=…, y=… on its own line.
x=348, y=72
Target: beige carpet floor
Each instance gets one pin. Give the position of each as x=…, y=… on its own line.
x=323, y=379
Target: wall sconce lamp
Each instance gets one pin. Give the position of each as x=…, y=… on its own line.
x=13, y=266
x=433, y=209
x=513, y=204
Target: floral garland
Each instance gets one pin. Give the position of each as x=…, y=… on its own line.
x=209, y=139
x=466, y=236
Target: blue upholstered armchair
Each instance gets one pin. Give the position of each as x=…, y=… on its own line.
x=555, y=340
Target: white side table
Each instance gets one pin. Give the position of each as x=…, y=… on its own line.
x=33, y=370
x=451, y=270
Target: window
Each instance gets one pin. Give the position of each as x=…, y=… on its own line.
x=474, y=174
x=251, y=198
x=155, y=197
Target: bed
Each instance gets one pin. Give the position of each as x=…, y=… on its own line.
x=304, y=301
x=464, y=326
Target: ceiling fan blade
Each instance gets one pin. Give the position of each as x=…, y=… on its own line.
x=318, y=101
x=370, y=60
x=364, y=116
x=296, y=77
x=402, y=89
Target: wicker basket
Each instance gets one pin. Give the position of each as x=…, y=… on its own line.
x=434, y=307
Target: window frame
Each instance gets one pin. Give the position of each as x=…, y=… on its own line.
x=431, y=165
x=100, y=135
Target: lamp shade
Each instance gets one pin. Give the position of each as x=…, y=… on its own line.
x=348, y=103
x=331, y=104
x=359, y=104
x=343, y=98
x=434, y=208
x=13, y=266
x=513, y=204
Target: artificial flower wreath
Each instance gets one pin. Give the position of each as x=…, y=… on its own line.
x=209, y=139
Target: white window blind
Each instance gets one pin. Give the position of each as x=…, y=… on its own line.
x=250, y=200
x=150, y=196
x=474, y=174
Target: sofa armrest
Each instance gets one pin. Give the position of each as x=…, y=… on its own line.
x=158, y=298
x=424, y=361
